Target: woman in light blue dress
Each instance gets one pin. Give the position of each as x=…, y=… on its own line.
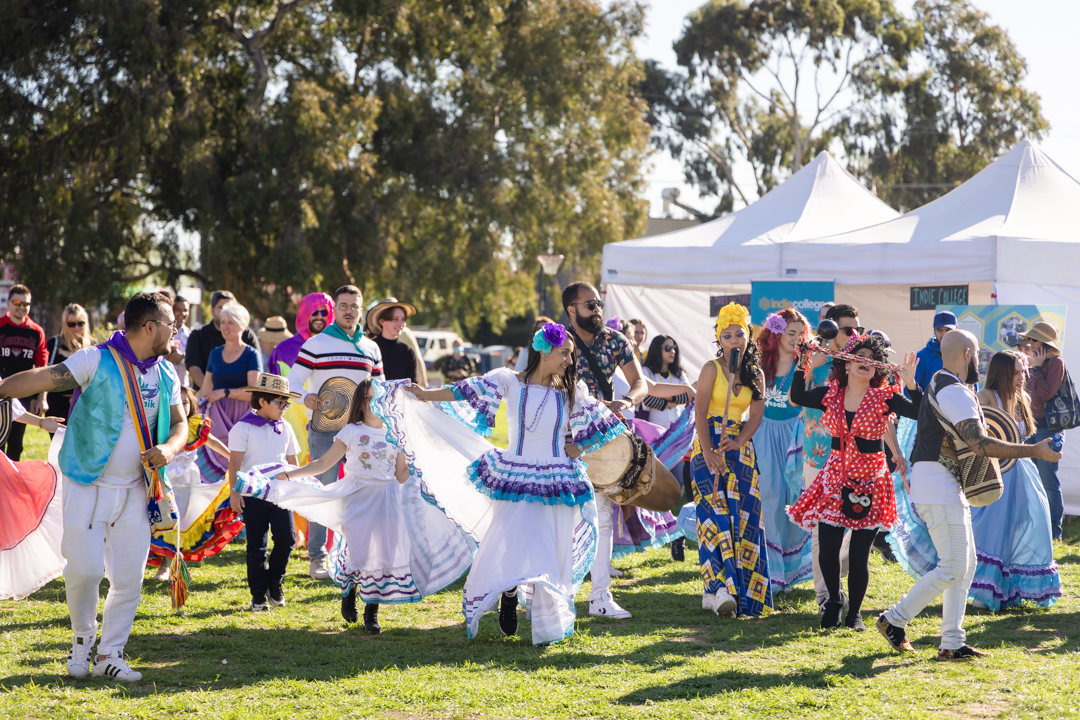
x=779, y=445
x=1012, y=535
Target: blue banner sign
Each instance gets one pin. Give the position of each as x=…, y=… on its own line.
x=806, y=296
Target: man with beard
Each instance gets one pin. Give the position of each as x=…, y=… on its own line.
x=316, y=311
x=940, y=501
x=600, y=350
x=127, y=415
x=340, y=350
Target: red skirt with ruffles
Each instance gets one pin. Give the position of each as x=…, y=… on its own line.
x=837, y=498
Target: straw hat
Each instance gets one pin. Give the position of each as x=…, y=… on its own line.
x=272, y=385
x=275, y=330
x=1044, y=333
x=372, y=318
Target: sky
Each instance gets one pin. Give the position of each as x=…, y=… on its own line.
x=1042, y=30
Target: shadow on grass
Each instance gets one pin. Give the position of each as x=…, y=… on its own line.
x=705, y=686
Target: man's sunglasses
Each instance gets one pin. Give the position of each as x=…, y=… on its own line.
x=669, y=348
x=853, y=330
x=592, y=304
x=321, y=313
x=79, y=324
x=20, y=303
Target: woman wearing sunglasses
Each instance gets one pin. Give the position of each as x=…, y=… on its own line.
x=74, y=336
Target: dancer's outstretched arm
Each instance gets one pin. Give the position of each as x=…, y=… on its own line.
x=316, y=467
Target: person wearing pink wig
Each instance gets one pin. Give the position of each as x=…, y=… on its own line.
x=315, y=313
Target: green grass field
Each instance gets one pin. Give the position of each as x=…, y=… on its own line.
x=672, y=660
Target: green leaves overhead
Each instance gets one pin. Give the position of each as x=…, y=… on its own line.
x=421, y=148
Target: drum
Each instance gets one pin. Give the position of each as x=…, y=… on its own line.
x=626, y=471
x=332, y=413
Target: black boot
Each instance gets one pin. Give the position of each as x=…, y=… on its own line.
x=508, y=622
x=830, y=617
x=853, y=620
x=371, y=618
x=678, y=549
x=348, y=606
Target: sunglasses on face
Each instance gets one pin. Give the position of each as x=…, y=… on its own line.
x=849, y=331
x=20, y=303
x=321, y=313
x=283, y=404
x=79, y=324
x=592, y=304
x=669, y=348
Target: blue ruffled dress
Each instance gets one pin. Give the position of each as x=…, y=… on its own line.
x=542, y=536
x=779, y=446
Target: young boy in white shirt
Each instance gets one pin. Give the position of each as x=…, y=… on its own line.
x=259, y=438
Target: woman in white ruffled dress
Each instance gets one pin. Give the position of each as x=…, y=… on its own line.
x=542, y=536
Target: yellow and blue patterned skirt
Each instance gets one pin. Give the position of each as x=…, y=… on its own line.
x=731, y=537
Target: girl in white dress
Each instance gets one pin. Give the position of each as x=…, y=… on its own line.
x=390, y=546
x=542, y=535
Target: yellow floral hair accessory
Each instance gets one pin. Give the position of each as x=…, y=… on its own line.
x=731, y=314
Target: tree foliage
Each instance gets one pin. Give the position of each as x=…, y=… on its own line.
x=917, y=104
x=424, y=148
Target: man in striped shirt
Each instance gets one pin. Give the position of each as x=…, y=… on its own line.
x=341, y=350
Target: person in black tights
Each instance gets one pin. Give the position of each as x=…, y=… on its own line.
x=854, y=490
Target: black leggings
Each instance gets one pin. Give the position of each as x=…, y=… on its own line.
x=830, y=537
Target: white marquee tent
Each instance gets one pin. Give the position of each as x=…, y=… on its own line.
x=667, y=280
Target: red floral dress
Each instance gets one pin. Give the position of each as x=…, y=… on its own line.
x=854, y=489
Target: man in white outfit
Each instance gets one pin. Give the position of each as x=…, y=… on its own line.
x=607, y=350
x=941, y=502
x=106, y=520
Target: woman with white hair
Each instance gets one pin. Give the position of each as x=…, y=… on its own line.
x=232, y=366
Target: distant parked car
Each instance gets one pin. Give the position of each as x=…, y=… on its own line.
x=434, y=344
x=489, y=358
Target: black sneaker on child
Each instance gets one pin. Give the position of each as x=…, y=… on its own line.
x=371, y=618
x=508, y=621
x=895, y=636
x=348, y=606
x=881, y=544
x=276, y=596
x=259, y=605
x=678, y=549
x=964, y=653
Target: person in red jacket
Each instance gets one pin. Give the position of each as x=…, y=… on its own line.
x=22, y=347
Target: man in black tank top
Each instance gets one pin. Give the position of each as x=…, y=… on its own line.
x=940, y=500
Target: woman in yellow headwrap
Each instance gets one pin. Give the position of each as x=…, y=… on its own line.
x=731, y=538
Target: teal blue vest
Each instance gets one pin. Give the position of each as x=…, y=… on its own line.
x=95, y=424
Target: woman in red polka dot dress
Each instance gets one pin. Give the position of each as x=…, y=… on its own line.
x=854, y=490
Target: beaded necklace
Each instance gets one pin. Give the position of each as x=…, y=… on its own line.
x=530, y=427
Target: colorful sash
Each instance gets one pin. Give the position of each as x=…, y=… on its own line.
x=159, y=494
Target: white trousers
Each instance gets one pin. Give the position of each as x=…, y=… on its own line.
x=601, y=567
x=106, y=534
x=950, y=529
x=822, y=592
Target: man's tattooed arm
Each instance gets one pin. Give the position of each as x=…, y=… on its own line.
x=972, y=432
x=55, y=378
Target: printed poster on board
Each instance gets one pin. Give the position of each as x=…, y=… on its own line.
x=999, y=327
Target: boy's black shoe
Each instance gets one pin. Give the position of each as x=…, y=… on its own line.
x=678, y=550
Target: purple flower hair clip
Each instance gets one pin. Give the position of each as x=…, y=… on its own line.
x=550, y=336
x=775, y=324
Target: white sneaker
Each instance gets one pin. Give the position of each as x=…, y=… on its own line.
x=720, y=602
x=317, y=570
x=79, y=659
x=615, y=572
x=605, y=606
x=978, y=604
x=115, y=667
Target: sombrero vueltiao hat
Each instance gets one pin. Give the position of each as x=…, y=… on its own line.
x=1000, y=425
x=272, y=385
x=372, y=318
